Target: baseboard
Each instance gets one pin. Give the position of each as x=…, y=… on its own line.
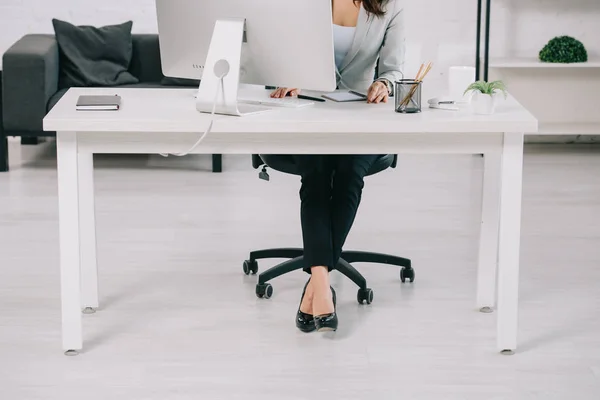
x=562, y=139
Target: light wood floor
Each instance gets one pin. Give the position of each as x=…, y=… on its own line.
x=179, y=320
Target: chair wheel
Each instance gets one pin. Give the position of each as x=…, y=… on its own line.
x=407, y=273
x=250, y=267
x=365, y=295
x=264, y=291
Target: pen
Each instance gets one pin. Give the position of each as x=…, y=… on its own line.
x=357, y=94
x=304, y=97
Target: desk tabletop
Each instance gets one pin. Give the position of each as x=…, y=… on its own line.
x=174, y=110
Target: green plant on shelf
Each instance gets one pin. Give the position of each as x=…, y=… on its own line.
x=564, y=49
x=489, y=88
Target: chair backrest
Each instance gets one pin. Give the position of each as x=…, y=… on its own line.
x=257, y=162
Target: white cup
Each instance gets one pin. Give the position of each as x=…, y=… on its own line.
x=459, y=79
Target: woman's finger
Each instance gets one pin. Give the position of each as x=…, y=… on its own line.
x=276, y=93
x=372, y=94
x=376, y=94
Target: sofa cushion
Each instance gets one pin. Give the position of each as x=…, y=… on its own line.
x=142, y=85
x=55, y=98
x=145, y=61
x=168, y=81
x=91, y=56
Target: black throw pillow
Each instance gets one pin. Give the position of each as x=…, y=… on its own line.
x=91, y=56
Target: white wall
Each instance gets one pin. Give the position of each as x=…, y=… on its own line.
x=442, y=31
x=19, y=17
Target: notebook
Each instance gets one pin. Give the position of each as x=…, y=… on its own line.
x=345, y=96
x=98, y=103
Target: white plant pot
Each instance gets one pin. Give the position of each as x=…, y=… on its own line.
x=483, y=104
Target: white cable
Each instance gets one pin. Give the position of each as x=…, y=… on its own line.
x=208, y=129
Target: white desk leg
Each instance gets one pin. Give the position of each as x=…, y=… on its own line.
x=510, y=241
x=488, y=235
x=87, y=226
x=68, y=207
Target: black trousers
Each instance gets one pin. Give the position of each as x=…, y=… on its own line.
x=330, y=195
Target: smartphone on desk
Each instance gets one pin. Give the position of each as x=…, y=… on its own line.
x=345, y=96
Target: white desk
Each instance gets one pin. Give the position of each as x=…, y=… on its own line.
x=164, y=120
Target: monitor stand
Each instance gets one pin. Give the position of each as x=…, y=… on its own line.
x=222, y=68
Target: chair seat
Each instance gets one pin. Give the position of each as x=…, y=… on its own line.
x=286, y=164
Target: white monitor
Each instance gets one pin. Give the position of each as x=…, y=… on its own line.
x=223, y=43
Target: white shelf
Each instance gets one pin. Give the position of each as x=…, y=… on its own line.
x=535, y=63
x=569, y=128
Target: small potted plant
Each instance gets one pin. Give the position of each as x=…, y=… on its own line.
x=564, y=50
x=484, y=95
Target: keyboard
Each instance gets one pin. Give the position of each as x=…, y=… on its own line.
x=290, y=102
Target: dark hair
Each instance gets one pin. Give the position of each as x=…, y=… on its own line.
x=374, y=7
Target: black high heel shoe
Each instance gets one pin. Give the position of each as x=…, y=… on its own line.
x=327, y=322
x=305, y=322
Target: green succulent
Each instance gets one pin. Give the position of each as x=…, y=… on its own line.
x=564, y=49
x=487, y=87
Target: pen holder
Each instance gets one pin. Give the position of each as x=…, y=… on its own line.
x=408, y=96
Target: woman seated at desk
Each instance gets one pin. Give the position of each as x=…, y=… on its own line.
x=367, y=34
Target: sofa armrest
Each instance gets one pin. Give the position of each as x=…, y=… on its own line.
x=30, y=78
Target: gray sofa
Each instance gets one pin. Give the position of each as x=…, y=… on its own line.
x=29, y=85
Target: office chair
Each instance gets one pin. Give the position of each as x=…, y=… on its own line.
x=286, y=164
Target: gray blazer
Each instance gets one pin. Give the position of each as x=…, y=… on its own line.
x=375, y=38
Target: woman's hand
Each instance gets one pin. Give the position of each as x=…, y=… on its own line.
x=378, y=92
x=282, y=92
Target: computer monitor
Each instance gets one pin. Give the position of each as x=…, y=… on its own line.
x=286, y=43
